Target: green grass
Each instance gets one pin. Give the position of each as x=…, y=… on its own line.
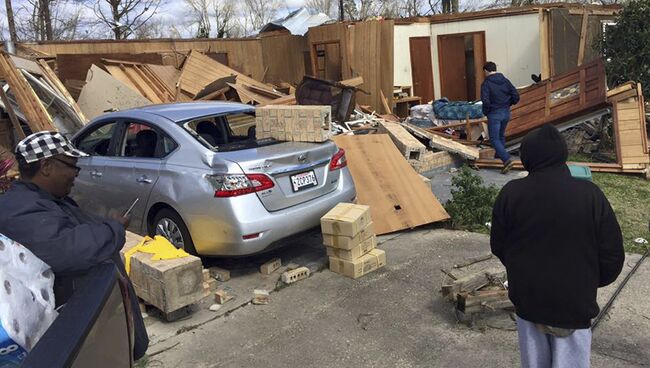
x=630, y=198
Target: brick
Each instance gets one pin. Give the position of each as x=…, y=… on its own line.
x=298, y=274
x=261, y=297
x=222, y=296
x=206, y=275
x=356, y=252
x=407, y=144
x=345, y=219
x=270, y=266
x=219, y=273
x=347, y=242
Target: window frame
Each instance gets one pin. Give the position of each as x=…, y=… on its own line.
x=110, y=152
x=121, y=139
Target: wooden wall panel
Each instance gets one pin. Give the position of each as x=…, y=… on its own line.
x=76, y=66
x=244, y=55
x=536, y=106
x=284, y=58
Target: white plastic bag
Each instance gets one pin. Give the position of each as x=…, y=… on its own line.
x=26, y=294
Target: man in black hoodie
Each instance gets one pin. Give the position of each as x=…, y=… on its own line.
x=497, y=95
x=560, y=241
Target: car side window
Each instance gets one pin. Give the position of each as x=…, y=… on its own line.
x=98, y=141
x=143, y=141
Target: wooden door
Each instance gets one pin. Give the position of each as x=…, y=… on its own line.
x=479, y=60
x=453, y=76
x=421, y=68
x=327, y=61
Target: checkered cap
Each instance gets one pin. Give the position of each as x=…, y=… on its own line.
x=42, y=145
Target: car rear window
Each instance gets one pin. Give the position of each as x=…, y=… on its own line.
x=230, y=132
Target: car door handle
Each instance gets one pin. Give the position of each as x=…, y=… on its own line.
x=144, y=179
x=96, y=174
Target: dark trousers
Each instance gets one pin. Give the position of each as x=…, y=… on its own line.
x=497, y=123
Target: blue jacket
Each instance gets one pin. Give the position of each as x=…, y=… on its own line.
x=498, y=93
x=68, y=239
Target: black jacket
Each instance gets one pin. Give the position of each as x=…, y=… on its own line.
x=557, y=237
x=68, y=239
x=498, y=93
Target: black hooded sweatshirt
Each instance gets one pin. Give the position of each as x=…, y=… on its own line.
x=497, y=93
x=556, y=235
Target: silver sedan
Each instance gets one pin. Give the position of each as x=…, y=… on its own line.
x=203, y=180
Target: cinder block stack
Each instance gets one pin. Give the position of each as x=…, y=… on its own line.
x=294, y=123
x=350, y=239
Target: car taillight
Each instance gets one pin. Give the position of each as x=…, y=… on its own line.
x=234, y=185
x=338, y=160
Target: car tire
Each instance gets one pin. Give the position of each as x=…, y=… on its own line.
x=169, y=224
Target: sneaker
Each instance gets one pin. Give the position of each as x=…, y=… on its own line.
x=507, y=167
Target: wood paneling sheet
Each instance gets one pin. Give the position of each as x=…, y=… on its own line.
x=385, y=181
x=559, y=98
x=200, y=70
x=76, y=66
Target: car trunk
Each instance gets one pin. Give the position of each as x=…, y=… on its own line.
x=300, y=171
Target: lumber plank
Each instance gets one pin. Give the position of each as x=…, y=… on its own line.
x=444, y=144
x=398, y=199
x=37, y=116
x=583, y=38
x=49, y=74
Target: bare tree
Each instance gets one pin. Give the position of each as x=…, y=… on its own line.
x=11, y=22
x=328, y=7
x=198, y=13
x=125, y=17
x=44, y=20
x=259, y=12
x=225, y=12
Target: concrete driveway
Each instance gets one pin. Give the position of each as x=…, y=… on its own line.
x=394, y=317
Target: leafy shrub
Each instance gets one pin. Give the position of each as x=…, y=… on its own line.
x=471, y=204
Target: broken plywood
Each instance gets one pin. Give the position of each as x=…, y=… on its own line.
x=200, y=70
x=397, y=197
x=141, y=79
x=35, y=114
x=104, y=93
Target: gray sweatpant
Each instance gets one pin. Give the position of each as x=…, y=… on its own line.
x=539, y=350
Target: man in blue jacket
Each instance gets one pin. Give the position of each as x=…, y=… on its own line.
x=37, y=212
x=497, y=95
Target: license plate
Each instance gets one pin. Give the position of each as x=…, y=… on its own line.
x=303, y=180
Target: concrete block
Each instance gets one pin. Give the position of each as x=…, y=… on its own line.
x=346, y=219
x=169, y=284
x=347, y=242
x=294, y=123
x=354, y=253
x=270, y=266
x=219, y=273
x=372, y=261
x=298, y=274
x=407, y=144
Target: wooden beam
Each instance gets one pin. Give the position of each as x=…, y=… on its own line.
x=444, y=144
x=545, y=59
x=583, y=39
x=384, y=102
x=56, y=82
x=12, y=114
x=31, y=106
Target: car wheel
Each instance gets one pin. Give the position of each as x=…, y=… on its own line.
x=169, y=224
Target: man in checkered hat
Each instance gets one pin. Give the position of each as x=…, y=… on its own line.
x=37, y=212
